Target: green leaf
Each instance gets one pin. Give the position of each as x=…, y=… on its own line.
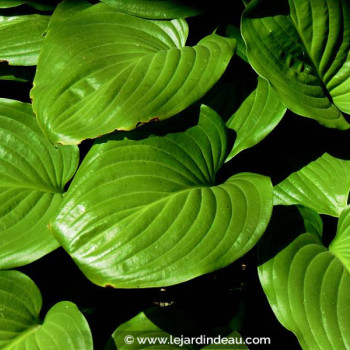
x=38, y=5
x=33, y=174
x=303, y=50
x=64, y=327
x=22, y=38
x=156, y=324
x=322, y=185
x=235, y=33
x=119, y=72
x=308, y=287
x=157, y=9
x=148, y=213
x=256, y=118
x=340, y=246
x=163, y=326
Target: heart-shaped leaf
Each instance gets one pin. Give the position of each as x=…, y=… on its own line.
x=303, y=50
x=64, y=327
x=308, y=287
x=322, y=185
x=157, y=9
x=22, y=38
x=33, y=174
x=119, y=72
x=256, y=118
x=146, y=213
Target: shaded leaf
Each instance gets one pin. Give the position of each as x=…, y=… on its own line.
x=322, y=185
x=22, y=38
x=148, y=213
x=33, y=174
x=119, y=72
x=157, y=9
x=256, y=118
x=64, y=327
x=303, y=50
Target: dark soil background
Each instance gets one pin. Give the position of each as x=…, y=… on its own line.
x=213, y=300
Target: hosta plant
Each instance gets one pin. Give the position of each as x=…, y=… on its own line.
x=142, y=196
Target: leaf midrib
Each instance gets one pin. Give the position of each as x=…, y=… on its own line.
x=308, y=53
x=27, y=333
x=33, y=187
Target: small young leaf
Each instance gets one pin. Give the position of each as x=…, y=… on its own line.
x=303, y=50
x=148, y=213
x=256, y=118
x=64, y=327
x=157, y=9
x=119, y=72
x=322, y=185
x=33, y=174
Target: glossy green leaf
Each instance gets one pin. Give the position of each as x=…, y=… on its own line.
x=256, y=118
x=22, y=38
x=340, y=246
x=157, y=9
x=161, y=327
x=322, y=185
x=146, y=213
x=33, y=174
x=64, y=327
x=43, y=5
x=308, y=287
x=303, y=50
x=119, y=72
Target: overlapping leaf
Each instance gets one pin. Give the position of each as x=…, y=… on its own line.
x=256, y=118
x=33, y=174
x=64, y=327
x=143, y=213
x=322, y=185
x=22, y=38
x=303, y=50
x=308, y=286
x=157, y=9
x=119, y=71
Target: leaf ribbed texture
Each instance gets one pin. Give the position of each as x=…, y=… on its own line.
x=256, y=117
x=118, y=71
x=64, y=327
x=308, y=290
x=304, y=51
x=22, y=38
x=322, y=185
x=33, y=174
x=143, y=213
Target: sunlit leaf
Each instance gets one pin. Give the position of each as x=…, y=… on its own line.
x=322, y=185
x=33, y=174
x=146, y=213
x=119, y=72
x=64, y=327
x=303, y=48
